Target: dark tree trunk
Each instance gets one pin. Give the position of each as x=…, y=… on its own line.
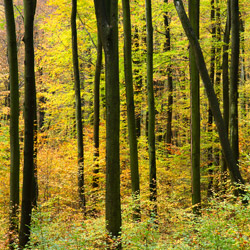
x=167, y=47
x=135, y=182
x=194, y=15
x=78, y=110
x=98, y=70
x=107, y=20
x=210, y=116
x=225, y=80
x=29, y=116
x=151, y=108
x=234, y=79
x=14, y=120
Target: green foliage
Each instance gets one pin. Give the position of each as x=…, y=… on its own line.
x=223, y=225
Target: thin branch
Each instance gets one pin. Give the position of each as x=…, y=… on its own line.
x=87, y=31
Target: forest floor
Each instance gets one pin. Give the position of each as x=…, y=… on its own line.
x=58, y=223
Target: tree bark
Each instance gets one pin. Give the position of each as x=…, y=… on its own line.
x=14, y=120
x=194, y=15
x=135, y=182
x=78, y=109
x=107, y=20
x=227, y=150
x=29, y=116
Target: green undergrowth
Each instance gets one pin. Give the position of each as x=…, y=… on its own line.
x=223, y=225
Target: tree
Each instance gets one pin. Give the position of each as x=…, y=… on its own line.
x=194, y=15
x=210, y=115
x=167, y=47
x=14, y=119
x=29, y=116
x=151, y=107
x=107, y=20
x=135, y=182
x=98, y=70
x=78, y=108
x=227, y=150
x=234, y=78
x=225, y=78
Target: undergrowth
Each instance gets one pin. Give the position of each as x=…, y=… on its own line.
x=223, y=225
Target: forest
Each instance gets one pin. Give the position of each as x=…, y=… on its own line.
x=124, y=124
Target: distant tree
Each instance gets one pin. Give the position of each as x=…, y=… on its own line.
x=107, y=20
x=29, y=117
x=135, y=182
x=78, y=108
x=194, y=16
x=14, y=119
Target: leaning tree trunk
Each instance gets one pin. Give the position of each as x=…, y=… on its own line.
x=78, y=110
x=107, y=20
x=135, y=182
x=227, y=150
x=14, y=120
x=29, y=116
x=194, y=15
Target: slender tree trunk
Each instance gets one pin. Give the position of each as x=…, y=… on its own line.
x=79, y=124
x=14, y=120
x=227, y=150
x=107, y=20
x=194, y=15
x=98, y=70
x=225, y=79
x=135, y=182
x=151, y=107
x=138, y=85
x=29, y=115
x=167, y=47
x=210, y=115
x=234, y=79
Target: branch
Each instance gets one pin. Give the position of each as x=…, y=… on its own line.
x=87, y=31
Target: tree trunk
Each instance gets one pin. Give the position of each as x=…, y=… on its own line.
x=29, y=116
x=167, y=47
x=135, y=182
x=225, y=79
x=227, y=150
x=79, y=124
x=98, y=70
x=210, y=116
x=14, y=120
x=194, y=15
x=151, y=108
x=234, y=79
x=107, y=20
